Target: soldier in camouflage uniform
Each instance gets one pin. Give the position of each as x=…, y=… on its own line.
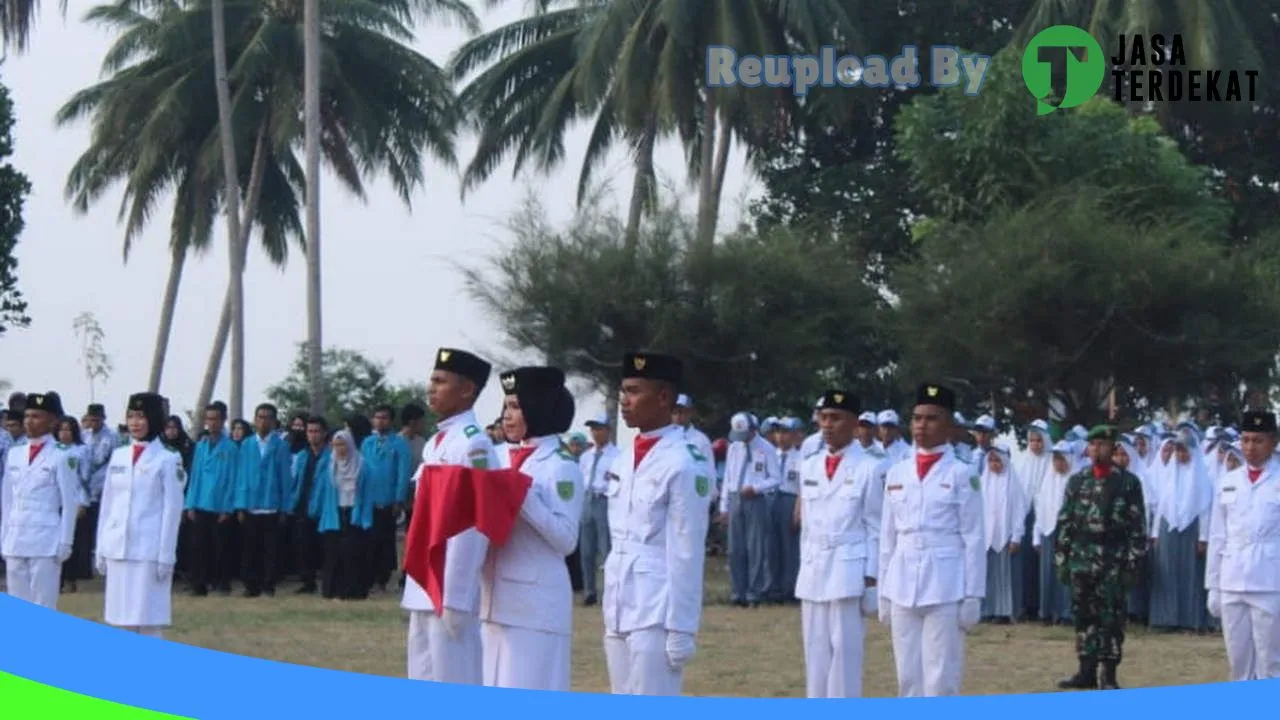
x=1102, y=537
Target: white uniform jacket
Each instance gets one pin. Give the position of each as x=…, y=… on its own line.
x=526, y=581
x=457, y=441
x=1244, y=535
x=658, y=517
x=840, y=536
x=932, y=534
x=141, y=506
x=41, y=498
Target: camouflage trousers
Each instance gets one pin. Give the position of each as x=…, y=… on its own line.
x=1099, y=604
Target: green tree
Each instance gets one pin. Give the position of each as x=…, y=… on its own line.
x=352, y=383
x=17, y=18
x=14, y=189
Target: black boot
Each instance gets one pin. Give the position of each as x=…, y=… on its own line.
x=1084, y=679
x=1109, y=676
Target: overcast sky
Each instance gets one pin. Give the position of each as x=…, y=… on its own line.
x=381, y=262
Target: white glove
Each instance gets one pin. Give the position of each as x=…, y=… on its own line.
x=1215, y=603
x=453, y=621
x=679, y=648
x=164, y=572
x=100, y=564
x=64, y=553
x=870, y=602
x=970, y=613
x=886, y=610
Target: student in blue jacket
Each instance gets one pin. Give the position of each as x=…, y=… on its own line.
x=262, y=481
x=210, y=495
x=387, y=456
x=342, y=506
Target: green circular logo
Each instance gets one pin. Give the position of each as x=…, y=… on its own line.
x=1085, y=66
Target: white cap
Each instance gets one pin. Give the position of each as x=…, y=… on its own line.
x=887, y=417
x=1040, y=426
x=740, y=426
x=985, y=422
x=867, y=417
x=683, y=401
x=959, y=419
x=601, y=419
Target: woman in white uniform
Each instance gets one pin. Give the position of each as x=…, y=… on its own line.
x=526, y=599
x=138, y=522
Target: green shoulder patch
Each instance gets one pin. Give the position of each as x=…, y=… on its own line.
x=701, y=484
x=564, y=489
x=564, y=454
x=695, y=453
x=471, y=431
x=73, y=463
x=181, y=474
x=975, y=483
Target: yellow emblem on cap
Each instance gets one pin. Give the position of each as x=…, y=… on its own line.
x=509, y=383
x=931, y=391
x=838, y=397
x=1257, y=421
x=638, y=362
x=444, y=355
x=39, y=400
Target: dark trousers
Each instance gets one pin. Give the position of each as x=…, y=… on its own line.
x=308, y=553
x=212, y=551
x=345, y=560
x=258, y=551
x=575, y=569
x=1098, y=605
x=382, y=548
x=80, y=565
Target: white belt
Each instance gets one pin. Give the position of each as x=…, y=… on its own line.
x=631, y=547
x=925, y=541
x=828, y=542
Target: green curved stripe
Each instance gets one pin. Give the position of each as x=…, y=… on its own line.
x=33, y=700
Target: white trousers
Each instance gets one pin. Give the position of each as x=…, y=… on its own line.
x=833, y=639
x=637, y=663
x=1251, y=629
x=928, y=649
x=525, y=659
x=154, y=631
x=36, y=580
x=434, y=656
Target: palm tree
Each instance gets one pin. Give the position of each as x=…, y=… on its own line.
x=383, y=108
x=17, y=18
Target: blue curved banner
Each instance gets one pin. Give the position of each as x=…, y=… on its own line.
x=59, y=651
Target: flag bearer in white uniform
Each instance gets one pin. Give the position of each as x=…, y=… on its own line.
x=138, y=523
x=526, y=599
x=933, y=559
x=1242, y=573
x=41, y=499
x=658, y=516
x=446, y=647
x=841, y=490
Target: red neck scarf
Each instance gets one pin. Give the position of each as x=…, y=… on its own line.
x=926, y=462
x=137, y=450
x=440, y=437
x=519, y=455
x=34, y=451
x=833, y=462
x=1101, y=471
x=643, y=446
x=1254, y=474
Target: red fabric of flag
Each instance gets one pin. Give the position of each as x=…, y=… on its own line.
x=449, y=500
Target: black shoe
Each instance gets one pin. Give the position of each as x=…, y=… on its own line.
x=269, y=592
x=198, y=592
x=309, y=589
x=1084, y=679
x=250, y=593
x=589, y=600
x=224, y=590
x=1109, y=677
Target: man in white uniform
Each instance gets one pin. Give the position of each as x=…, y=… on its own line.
x=933, y=560
x=895, y=448
x=683, y=416
x=658, y=515
x=1242, y=576
x=41, y=498
x=593, y=541
x=841, y=491
x=446, y=647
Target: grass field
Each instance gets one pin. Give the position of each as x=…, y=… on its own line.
x=741, y=652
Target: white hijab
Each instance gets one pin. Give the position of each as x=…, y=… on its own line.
x=346, y=472
x=1184, y=490
x=1032, y=468
x=1149, y=497
x=1052, y=491
x=1003, y=503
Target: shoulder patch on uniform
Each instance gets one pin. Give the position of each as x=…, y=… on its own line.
x=181, y=474
x=565, y=454
x=974, y=482
x=695, y=453
x=73, y=463
x=702, y=484
x=479, y=459
x=564, y=489
x=470, y=431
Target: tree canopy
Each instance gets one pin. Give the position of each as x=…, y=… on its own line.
x=14, y=189
x=352, y=382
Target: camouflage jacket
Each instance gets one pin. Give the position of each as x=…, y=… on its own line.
x=1102, y=525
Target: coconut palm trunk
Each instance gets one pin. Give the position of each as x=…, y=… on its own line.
x=642, y=190
x=707, y=207
x=224, y=321
x=176, y=264
x=231, y=175
x=311, y=118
